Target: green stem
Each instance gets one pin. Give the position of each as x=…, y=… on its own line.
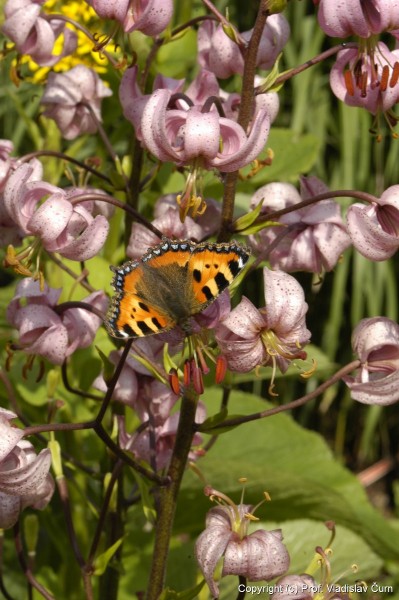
x=167, y=496
x=244, y=117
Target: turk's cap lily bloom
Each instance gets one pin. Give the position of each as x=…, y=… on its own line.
x=275, y=334
x=62, y=227
x=376, y=343
x=73, y=100
x=35, y=33
x=221, y=55
x=368, y=80
x=185, y=136
x=45, y=332
x=68, y=229
x=355, y=17
x=150, y=17
x=257, y=556
x=374, y=228
x=24, y=475
x=312, y=238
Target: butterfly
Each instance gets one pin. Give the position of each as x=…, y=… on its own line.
x=171, y=283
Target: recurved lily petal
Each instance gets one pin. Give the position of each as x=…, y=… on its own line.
x=233, y=155
x=24, y=476
x=354, y=17
x=374, y=228
x=376, y=342
x=9, y=436
x=150, y=17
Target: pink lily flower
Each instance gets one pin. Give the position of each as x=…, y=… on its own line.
x=355, y=17
x=35, y=33
x=150, y=17
x=24, y=475
x=274, y=335
x=45, y=332
x=376, y=343
x=374, y=228
x=312, y=238
x=185, y=136
x=367, y=79
x=257, y=556
x=62, y=227
x=72, y=98
x=221, y=55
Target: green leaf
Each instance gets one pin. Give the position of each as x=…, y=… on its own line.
x=242, y=223
x=102, y=560
x=294, y=154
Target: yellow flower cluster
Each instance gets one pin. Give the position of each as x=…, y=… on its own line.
x=85, y=53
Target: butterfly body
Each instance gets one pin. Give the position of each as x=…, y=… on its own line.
x=170, y=284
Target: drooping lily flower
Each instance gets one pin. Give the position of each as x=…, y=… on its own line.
x=275, y=334
x=44, y=332
x=221, y=55
x=376, y=343
x=72, y=98
x=148, y=16
x=257, y=556
x=24, y=475
x=309, y=239
x=374, y=228
x=185, y=136
x=36, y=33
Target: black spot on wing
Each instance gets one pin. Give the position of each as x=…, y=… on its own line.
x=207, y=293
x=156, y=323
x=197, y=275
x=144, y=328
x=128, y=330
x=143, y=306
x=234, y=267
x=221, y=281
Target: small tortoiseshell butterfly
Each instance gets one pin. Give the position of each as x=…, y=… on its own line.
x=171, y=283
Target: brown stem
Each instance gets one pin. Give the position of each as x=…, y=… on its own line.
x=60, y=308
x=364, y=196
x=290, y=405
x=25, y=568
x=244, y=117
x=126, y=207
x=77, y=278
x=168, y=495
x=309, y=63
x=64, y=497
x=62, y=156
x=70, y=388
